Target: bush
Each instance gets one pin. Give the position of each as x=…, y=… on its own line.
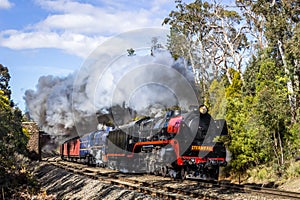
x=262, y=174
x=18, y=178
x=293, y=170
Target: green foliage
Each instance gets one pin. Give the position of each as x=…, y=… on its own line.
x=293, y=170
x=188, y=22
x=235, y=89
x=250, y=77
x=249, y=146
x=280, y=19
x=26, y=133
x=217, y=100
x=259, y=116
x=13, y=142
x=178, y=44
x=258, y=120
x=262, y=174
x=292, y=139
x=4, y=81
x=208, y=37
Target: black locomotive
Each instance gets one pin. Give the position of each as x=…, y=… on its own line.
x=179, y=144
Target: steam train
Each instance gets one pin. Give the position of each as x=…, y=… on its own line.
x=178, y=144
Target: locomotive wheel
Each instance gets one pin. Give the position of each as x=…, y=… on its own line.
x=110, y=165
x=147, y=168
x=214, y=173
x=164, y=171
x=150, y=168
x=156, y=172
x=183, y=173
x=90, y=161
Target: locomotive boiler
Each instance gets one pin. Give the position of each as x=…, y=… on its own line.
x=179, y=144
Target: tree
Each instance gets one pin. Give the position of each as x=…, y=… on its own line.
x=155, y=46
x=271, y=96
x=189, y=38
x=256, y=25
x=250, y=144
x=4, y=81
x=131, y=52
x=217, y=98
x=229, y=36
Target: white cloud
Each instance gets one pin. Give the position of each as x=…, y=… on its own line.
x=110, y=18
x=66, y=6
x=72, y=43
x=79, y=27
x=5, y=4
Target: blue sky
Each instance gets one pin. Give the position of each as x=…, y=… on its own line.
x=53, y=37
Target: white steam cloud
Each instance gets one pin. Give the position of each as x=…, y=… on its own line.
x=110, y=79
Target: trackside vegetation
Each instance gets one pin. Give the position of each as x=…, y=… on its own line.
x=16, y=180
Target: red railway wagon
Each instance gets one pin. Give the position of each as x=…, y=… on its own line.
x=71, y=148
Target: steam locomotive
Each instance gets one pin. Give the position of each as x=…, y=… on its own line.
x=178, y=144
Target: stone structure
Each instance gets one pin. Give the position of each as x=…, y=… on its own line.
x=33, y=143
x=40, y=144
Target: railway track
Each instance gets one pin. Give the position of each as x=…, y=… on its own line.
x=166, y=188
x=131, y=182
x=280, y=194
x=269, y=191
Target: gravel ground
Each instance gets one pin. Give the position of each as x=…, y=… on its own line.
x=66, y=185
x=292, y=185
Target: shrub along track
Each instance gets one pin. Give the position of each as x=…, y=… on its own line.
x=166, y=188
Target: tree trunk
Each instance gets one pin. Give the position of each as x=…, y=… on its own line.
x=276, y=148
x=290, y=89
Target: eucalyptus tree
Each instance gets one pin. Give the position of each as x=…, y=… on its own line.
x=190, y=38
x=275, y=25
x=229, y=37
x=215, y=41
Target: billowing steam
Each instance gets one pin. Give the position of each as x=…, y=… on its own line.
x=122, y=86
x=50, y=104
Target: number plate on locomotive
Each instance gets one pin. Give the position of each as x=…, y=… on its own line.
x=202, y=148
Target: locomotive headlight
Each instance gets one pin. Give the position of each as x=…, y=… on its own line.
x=203, y=109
